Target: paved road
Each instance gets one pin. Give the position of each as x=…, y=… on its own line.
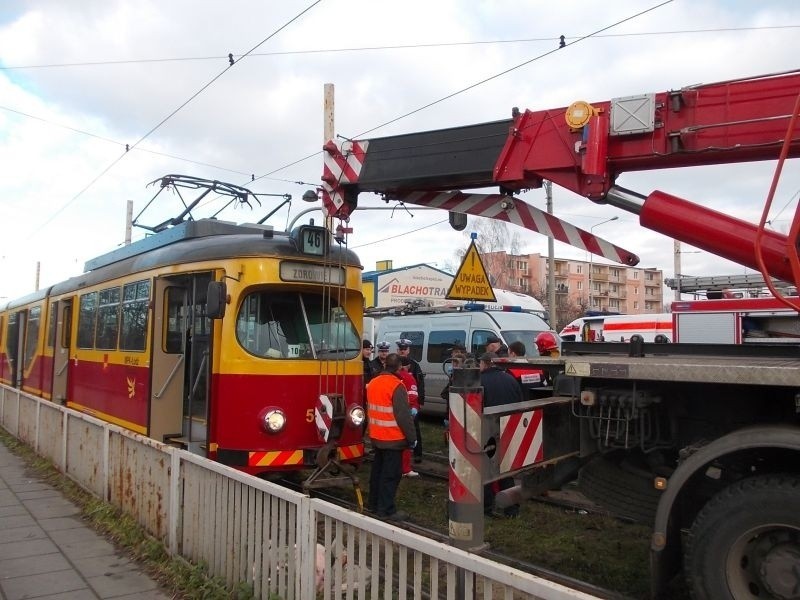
x=48, y=552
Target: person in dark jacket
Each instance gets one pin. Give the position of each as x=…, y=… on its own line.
x=404, y=350
x=366, y=357
x=379, y=362
x=498, y=388
x=390, y=428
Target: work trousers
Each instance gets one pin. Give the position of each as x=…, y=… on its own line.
x=383, y=481
x=418, y=448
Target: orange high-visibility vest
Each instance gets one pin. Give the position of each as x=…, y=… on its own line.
x=380, y=412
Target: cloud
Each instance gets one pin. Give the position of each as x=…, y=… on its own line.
x=266, y=111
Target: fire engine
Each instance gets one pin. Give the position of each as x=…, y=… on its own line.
x=714, y=429
x=719, y=321
x=735, y=321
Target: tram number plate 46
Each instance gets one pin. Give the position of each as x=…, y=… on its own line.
x=460, y=531
x=313, y=239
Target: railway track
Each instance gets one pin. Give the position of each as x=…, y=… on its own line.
x=434, y=467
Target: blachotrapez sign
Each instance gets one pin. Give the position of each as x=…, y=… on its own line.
x=415, y=283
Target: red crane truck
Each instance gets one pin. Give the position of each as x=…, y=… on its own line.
x=714, y=430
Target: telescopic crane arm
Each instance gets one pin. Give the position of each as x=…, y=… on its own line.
x=584, y=148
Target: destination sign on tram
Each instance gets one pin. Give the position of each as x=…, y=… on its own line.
x=306, y=273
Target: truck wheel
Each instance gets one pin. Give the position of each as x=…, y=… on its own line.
x=745, y=543
x=623, y=492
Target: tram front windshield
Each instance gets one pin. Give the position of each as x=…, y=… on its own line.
x=296, y=325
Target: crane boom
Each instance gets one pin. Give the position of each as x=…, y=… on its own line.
x=584, y=148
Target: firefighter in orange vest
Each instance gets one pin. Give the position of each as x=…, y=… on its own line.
x=390, y=428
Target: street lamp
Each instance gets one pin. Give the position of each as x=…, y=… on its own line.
x=591, y=256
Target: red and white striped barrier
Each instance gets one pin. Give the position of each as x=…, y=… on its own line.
x=520, y=440
x=344, y=160
x=465, y=500
x=516, y=211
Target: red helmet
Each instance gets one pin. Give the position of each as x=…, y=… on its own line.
x=546, y=341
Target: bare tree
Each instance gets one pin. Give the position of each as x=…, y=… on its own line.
x=496, y=247
x=567, y=310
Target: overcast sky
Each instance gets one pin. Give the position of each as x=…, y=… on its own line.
x=79, y=80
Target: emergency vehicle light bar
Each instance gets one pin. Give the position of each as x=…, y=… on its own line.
x=476, y=306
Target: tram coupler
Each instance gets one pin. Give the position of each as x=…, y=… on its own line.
x=332, y=472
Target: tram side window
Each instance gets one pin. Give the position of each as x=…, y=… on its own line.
x=32, y=335
x=135, y=302
x=175, y=319
x=12, y=334
x=51, y=324
x=441, y=343
x=107, y=319
x=86, y=319
x=67, y=335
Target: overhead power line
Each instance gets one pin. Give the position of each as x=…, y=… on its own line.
x=384, y=239
x=134, y=61
x=478, y=83
x=118, y=143
x=173, y=113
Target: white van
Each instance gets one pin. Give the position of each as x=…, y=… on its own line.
x=433, y=335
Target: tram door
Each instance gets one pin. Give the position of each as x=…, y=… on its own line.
x=181, y=361
x=15, y=338
x=62, y=310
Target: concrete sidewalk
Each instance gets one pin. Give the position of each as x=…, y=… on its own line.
x=48, y=551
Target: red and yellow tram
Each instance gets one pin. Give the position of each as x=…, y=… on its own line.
x=215, y=337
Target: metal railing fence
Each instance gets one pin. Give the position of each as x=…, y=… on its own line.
x=249, y=531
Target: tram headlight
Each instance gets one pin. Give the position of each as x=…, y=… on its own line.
x=274, y=420
x=357, y=416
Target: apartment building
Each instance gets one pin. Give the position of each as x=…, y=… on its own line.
x=595, y=286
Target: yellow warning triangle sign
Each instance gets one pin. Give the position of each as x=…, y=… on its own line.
x=471, y=281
